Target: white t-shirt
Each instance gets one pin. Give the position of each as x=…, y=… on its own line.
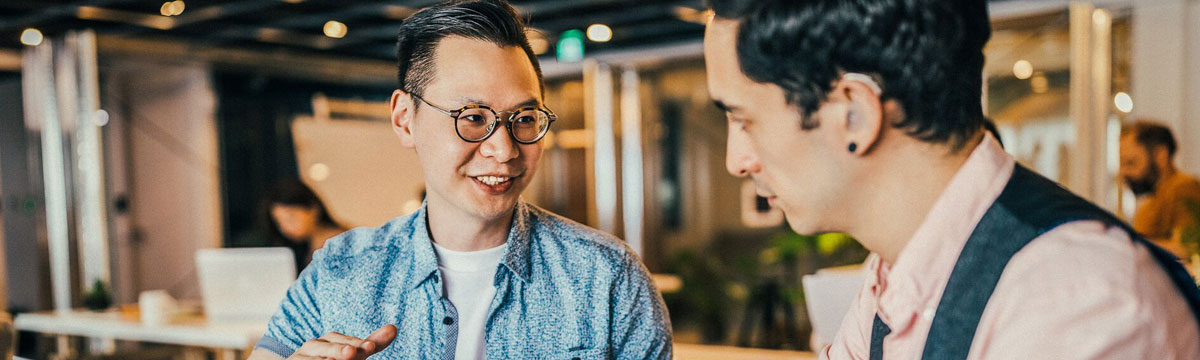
x=468, y=278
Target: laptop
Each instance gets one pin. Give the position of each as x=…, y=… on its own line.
x=829, y=294
x=244, y=284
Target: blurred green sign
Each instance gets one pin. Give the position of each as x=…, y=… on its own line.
x=570, y=46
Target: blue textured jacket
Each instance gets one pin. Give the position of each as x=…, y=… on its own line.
x=563, y=291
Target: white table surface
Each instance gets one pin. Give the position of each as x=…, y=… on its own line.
x=187, y=330
x=718, y=352
x=195, y=331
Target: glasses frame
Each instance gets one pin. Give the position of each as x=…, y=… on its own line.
x=508, y=120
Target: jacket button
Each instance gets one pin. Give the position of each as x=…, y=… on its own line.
x=448, y=320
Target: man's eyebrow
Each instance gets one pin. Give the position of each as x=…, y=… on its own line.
x=723, y=106
x=531, y=102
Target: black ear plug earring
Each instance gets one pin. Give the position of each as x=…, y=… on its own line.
x=853, y=147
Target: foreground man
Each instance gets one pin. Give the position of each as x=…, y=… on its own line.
x=864, y=117
x=475, y=273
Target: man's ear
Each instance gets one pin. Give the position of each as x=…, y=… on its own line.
x=863, y=121
x=402, y=117
x=1161, y=157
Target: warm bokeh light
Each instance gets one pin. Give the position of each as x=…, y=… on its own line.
x=1039, y=83
x=1123, y=102
x=1022, y=69
x=172, y=8
x=599, y=33
x=31, y=37
x=335, y=29
x=537, y=41
x=1100, y=17
x=318, y=172
x=101, y=117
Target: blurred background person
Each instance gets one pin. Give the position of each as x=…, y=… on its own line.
x=1148, y=168
x=297, y=219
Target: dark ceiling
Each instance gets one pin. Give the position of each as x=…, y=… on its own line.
x=296, y=25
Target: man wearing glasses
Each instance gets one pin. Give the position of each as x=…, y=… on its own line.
x=476, y=272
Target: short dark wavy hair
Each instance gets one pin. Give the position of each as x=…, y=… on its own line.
x=1151, y=135
x=493, y=21
x=926, y=54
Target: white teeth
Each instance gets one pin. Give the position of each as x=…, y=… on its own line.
x=492, y=180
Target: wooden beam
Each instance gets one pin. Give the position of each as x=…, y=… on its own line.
x=285, y=63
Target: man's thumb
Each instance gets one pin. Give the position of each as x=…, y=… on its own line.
x=383, y=337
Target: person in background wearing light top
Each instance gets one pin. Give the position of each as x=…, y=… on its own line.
x=476, y=272
x=865, y=117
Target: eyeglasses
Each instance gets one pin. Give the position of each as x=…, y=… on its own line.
x=475, y=123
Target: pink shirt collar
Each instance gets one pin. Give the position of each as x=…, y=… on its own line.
x=912, y=287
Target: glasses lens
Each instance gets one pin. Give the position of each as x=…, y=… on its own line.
x=529, y=125
x=473, y=124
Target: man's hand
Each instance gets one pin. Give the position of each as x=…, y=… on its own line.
x=341, y=347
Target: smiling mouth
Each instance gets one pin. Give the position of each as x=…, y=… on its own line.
x=492, y=180
x=494, y=185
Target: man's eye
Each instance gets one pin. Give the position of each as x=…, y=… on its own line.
x=737, y=122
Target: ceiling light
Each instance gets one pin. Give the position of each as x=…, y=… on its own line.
x=335, y=29
x=1100, y=17
x=172, y=8
x=101, y=117
x=599, y=33
x=318, y=172
x=1022, y=69
x=31, y=37
x=1123, y=102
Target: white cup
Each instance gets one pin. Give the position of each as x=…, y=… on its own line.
x=156, y=307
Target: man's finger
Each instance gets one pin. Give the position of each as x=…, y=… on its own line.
x=343, y=339
x=326, y=349
x=382, y=337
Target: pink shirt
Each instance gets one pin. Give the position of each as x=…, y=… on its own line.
x=1080, y=291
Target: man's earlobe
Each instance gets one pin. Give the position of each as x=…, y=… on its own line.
x=864, y=118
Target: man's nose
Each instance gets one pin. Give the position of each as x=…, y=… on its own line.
x=740, y=159
x=500, y=145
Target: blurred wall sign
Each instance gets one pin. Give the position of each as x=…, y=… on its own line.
x=756, y=211
x=570, y=46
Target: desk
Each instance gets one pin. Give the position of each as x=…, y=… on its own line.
x=717, y=352
x=229, y=338
x=189, y=330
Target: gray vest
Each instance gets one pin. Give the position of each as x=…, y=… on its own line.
x=1029, y=206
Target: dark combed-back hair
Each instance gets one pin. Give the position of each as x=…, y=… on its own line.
x=926, y=54
x=493, y=21
x=1151, y=135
